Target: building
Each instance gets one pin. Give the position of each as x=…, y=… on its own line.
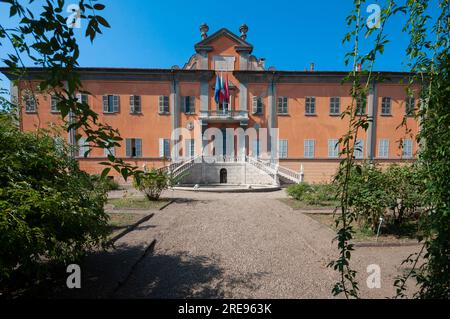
x=147, y=105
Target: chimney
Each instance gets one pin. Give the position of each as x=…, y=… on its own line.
x=311, y=67
x=204, y=30
x=243, y=29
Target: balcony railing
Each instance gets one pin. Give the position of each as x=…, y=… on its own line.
x=230, y=115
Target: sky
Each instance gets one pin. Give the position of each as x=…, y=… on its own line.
x=288, y=34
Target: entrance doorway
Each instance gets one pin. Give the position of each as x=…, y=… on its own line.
x=223, y=176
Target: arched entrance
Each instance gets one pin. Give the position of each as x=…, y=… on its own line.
x=223, y=176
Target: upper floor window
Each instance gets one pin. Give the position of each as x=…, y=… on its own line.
x=82, y=98
x=282, y=105
x=359, y=149
x=224, y=63
x=407, y=151
x=410, y=105
x=188, y=104
x=30, y=102
x=361, y=105
x=54, y=104
x=110, y=103
x=164, y=104
x=135, y=104
x=335, y=105
x=164, y=148
x=283, y=148
x=310, y=105
x=308, y=150
x=383, y=148
x=83, y=148
x=386, y=106
x=133, y=147
x=257, y=105
x=333, y=148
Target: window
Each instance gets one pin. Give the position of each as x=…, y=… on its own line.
x=308, y=151
x=54, y=104
x=359, y=149
x=283, y=148
x=407, y=149
x=110, y=103
x=83, y=148
x=383, y=148
x=163, y=104
x=310, y=105
x=133, y=147
x=30, y=103
x=164, y=148
x=257, y=105
x=361, y=105
x=82, y=98
x=410, y=105
x=190, y=148
x=386, y=106
x=335, y=105
x=188, y=104
x=282, y=105
x=333, y=148
x=109, y=151
x=135, y=104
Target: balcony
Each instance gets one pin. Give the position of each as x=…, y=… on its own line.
x=228, y=116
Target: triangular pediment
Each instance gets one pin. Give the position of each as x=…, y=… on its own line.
x=241, y=45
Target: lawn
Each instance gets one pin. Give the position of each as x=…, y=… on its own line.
x=300, y=205
x=137, y=203
x=404, y=233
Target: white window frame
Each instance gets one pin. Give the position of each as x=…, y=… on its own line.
x=407, y=148
x=309, y=146
x=282, y=105
x=383, y=148
x=359, y=149
x=282, y=148
x=310, y=105
x=333, y=148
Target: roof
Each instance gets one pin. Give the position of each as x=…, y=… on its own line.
x=241, y=45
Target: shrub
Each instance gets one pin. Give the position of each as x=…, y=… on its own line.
x=152, y=183
x=108, y=184
x=312, y=194
x=49, y=208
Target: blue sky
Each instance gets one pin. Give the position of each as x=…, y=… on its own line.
x=289, y=34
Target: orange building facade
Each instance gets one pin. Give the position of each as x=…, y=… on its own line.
x=303, y=107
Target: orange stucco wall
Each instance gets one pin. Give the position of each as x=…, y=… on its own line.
x=295, y=127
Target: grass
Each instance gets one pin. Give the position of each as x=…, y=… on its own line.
x=388, y=234
x=123, y=220
x=300, y=205
x=137, y=203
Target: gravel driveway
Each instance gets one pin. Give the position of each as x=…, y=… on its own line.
x=241, y=246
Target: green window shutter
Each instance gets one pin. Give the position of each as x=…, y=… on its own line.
x=128, y=147
x=161, y=104
x=137, y=103
x=105, y=103
x=255, y=105
x=116, y=104
x=161, y=147
x=138, y=145
x=132, y=105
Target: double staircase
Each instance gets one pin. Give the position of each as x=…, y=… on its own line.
x=277, y=173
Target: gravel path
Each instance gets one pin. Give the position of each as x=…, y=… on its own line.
x=241, y=246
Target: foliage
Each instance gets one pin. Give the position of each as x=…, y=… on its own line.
x=46, y=38
x=152, y=183
x=49, y=209
x=428, y=60
x=108, y=184
x=312, y=194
